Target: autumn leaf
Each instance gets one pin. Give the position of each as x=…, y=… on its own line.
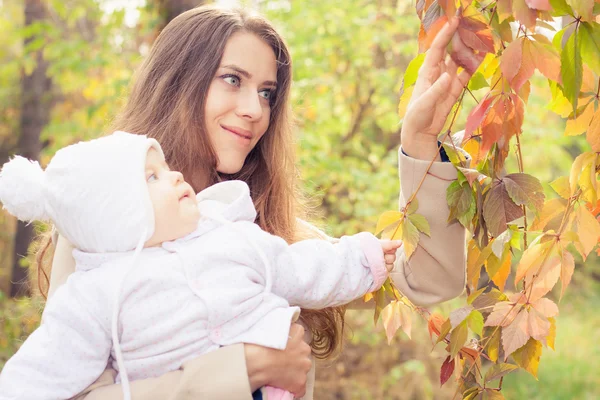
x=541, y=281
x=590, y=44
x=551, y=209
x=499, y=209
x=528, y=356
x=549, y=341
x=579, y=124
x=446, y=370
x=497, y=371
x=458, y=338
x=583, y=8
x=503, y=314
x=434, y=324
x=392, y=319
x=525, y=189
x=477, y=115
x=388, y=220
x=516, y=334
x=532, y=259
x=566, y=271
x=593, y=132
x=588, y=230
x=420, y=222
x=517, y=62
x=572, y=69
x=561, y=186
x=526, y=15
x=493, y=344
x=461, y=201
x=475, y=322
x=545, y=58
x=499, y=273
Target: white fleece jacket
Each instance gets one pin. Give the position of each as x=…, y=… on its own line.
x=225, y=283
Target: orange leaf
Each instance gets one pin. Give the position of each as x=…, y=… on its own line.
x=546, y=59
x=566, y=272
x=516, y=334
x=434, y=324
x=546, y=307
x=538, y=326
x=552, y=209
x=503, y=314
x=593, y=132
x=543, y=280
x=502, y=275
x=476, y=116
x=524, y=14
x=517, y=63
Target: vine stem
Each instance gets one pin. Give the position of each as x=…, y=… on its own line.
x=520, y=162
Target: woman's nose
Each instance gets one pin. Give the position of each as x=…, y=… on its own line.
x=249, y=106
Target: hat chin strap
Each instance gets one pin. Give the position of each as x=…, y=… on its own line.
x=115, y=319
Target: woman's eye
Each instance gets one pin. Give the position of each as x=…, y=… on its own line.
x=152, y=178
x=265, y=94
x=232, y=80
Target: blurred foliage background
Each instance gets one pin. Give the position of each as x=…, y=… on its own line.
x=348, y=64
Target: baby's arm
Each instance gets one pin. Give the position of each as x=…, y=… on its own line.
x=64, y=355
x=317, y=273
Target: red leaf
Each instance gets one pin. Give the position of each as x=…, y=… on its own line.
x=477, y=116
x=523, y=13
x=446, y=370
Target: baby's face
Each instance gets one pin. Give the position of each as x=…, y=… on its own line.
x=176, y=213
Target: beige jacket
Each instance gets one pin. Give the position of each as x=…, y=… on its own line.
x=435, y=273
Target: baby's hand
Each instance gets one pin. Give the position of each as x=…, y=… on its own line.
x=389, y=252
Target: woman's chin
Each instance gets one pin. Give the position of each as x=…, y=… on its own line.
x=230, y=168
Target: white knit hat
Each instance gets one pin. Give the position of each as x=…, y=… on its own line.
x=95, y=192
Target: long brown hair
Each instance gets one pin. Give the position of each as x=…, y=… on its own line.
x=167, y=102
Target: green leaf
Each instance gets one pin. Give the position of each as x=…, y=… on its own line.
x=560, y=7
x=498, y=370
x=477, y=82
x=475, y=321
x=458, y=338
x=590, y=44
x=412, y=71
x=421, y=223
x=571, y=71
x=461, y=201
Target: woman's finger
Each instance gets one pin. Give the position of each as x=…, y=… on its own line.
x=437, y=51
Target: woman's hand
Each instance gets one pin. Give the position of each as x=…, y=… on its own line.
x=437, y=89
x=286, y=369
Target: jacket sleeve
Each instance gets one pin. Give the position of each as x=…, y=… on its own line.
x=66, y=353
x=315, y=273
x=221, y=371
x=436, y=271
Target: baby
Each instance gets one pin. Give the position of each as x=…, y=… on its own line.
x=164, y=275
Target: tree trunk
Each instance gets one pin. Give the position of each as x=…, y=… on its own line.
x=35, y=112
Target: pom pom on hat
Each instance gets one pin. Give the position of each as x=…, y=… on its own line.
x=22, y=189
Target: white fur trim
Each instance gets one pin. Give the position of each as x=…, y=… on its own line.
x=22, y=189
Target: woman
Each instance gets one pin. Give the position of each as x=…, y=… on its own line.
x=214, y=91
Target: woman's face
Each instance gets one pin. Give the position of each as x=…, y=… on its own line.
x=238, y=102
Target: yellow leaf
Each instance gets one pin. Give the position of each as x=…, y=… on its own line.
x=392, y=319
x=406, y=320
x=528, y=356
x=580, y=124
x=388, y=219
x=458, y=337
x=473, y=267
x=552, y=209
x=410, y=237
x=532, y=259
x=541, y=281
x=593, y=132
x=579, y=164
x=588, y=229
x=493, y=345
x=561, y=186
x=404, y=100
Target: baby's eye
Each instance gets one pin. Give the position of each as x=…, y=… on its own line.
x=152, y=178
